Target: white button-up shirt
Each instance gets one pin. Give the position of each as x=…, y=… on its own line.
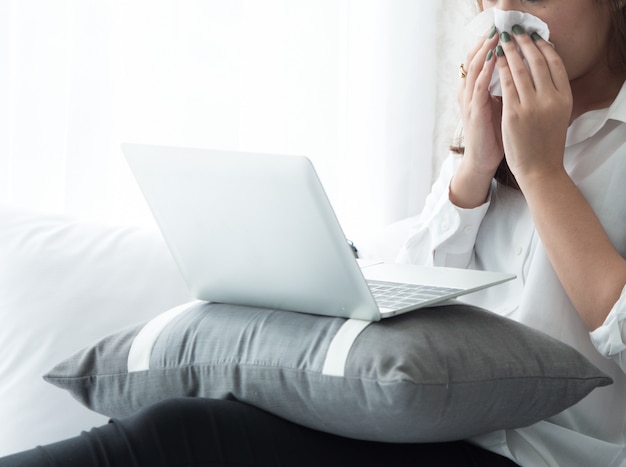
x=500, y=236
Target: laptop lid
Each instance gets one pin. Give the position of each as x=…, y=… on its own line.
x=251, y=229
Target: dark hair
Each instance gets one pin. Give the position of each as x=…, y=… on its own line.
x=503, y=174
x=616, y=51
x=617, y=36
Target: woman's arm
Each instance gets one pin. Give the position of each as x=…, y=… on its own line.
x=444, y=234
x=591, y=270
x=537, y=108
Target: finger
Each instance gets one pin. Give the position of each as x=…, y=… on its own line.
x=555, y=65
x=479, y=93
x=474, y=65
x=476, y=62
x=509, y=90
x=480, y=45
x=535, y=59
x=473, y=51
x=468, y=58
x=484, y=77
x=518, y=75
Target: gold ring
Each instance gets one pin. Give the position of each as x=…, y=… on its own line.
x=462, y=71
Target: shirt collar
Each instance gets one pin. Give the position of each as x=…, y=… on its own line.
x=617, y=111
x=589, y=123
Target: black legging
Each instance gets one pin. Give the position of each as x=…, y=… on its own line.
x=203, y=432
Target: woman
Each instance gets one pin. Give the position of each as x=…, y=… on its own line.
x=556, y=217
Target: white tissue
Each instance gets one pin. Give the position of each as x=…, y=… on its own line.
x=504, y=20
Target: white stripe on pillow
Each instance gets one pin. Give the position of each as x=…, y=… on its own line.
x=141, y=348
x=337, y=355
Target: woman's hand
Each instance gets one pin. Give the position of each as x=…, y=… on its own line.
x=537, y=106
x=481, y=115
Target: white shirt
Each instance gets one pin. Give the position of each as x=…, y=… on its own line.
x=501, y=236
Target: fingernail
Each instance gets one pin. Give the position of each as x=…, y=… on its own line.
x=492, y=32
x=517, y=29
x=489, y=55
x=536, y=37
x=499, y=51
x=505, y=36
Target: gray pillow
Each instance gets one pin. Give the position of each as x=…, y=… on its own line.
x=438, y=374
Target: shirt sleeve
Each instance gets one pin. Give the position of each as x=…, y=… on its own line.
x=610, y=338
x=444, y=234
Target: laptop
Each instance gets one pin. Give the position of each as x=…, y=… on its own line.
x=258, y=230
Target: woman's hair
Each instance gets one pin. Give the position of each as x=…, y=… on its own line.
x=617, y=35
x=617, y=61
x=503, y=174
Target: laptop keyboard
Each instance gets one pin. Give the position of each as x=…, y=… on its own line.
x=394, y=295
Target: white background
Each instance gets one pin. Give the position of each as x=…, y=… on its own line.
x=365, y=88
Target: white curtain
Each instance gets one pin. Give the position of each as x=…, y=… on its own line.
x=349, y=83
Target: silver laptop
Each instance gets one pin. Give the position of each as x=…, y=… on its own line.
x=258, y=230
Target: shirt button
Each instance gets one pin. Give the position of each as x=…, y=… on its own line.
x=518, y=251
x=468, y=229
x=444, y=226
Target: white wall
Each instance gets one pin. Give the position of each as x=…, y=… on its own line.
x=363, y=87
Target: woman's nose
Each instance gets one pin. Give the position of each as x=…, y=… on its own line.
x=508, y=4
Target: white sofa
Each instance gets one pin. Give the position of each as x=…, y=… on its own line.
x=64, y=283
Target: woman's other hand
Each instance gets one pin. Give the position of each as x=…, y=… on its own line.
x=481, y=115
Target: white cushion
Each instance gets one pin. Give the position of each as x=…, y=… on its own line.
x=439, y=374
x=64, y=284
